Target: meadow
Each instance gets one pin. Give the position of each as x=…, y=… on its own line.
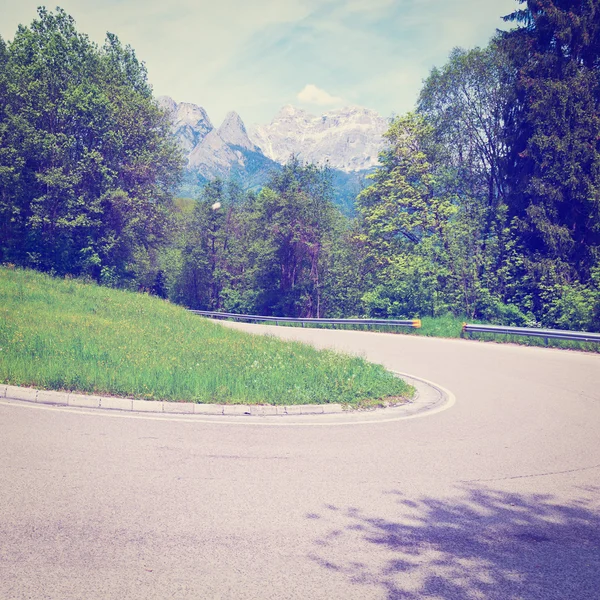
x=64, y=334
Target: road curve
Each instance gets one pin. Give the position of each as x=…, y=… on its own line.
x=496, y=498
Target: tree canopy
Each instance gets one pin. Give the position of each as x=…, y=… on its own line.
x=553, y=139
x=87, y=165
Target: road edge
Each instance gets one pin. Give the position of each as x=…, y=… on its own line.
x=430, y=397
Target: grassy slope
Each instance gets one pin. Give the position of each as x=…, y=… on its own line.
x=67, y=335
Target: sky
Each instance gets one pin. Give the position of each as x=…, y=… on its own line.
x=255, y=56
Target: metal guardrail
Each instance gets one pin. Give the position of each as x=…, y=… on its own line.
x=415, y=323
x=557, y=334
x=578, y=336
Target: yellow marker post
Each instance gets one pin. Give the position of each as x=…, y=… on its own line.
x=417, y=323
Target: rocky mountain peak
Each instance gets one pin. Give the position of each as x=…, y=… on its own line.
x=349, y=138
x=190, y=122
x=233, y=132
x=167, y=103
x=290, y=111
x=194, y=115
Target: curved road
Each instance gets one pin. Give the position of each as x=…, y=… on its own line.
x=497, y=497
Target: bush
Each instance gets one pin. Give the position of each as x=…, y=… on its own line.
x=574, y=307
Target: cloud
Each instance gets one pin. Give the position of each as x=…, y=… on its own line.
x=362, y=6
x=372, y=53
x=253, y=57
x=311, y=94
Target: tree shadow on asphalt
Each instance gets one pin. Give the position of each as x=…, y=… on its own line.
x=483, y=544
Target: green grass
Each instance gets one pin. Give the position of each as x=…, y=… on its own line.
x=447, y=326
x=185, y=205
x=67, y=335
x=535, y=341
x=451, y=327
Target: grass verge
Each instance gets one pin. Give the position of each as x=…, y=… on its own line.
x=67, y=335
x=449, y=326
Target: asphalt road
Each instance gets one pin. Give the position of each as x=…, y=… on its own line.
x=497, y=497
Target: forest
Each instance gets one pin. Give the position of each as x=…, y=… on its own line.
x=486, y=203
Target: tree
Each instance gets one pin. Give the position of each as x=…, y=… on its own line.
x=88, y=168
x=293, y=219
x=405, y=214
x=465, y=102
x=553, y=136
x=402, y=205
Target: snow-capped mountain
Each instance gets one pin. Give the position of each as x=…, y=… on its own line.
x=349, y=139
x=215, y=152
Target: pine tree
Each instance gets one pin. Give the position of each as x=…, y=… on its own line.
x=553, y=135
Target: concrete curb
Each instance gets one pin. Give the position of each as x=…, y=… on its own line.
x=428, y=396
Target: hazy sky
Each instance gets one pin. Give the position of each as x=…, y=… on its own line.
x=256, y=56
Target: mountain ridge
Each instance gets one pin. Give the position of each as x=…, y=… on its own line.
x=348, y=140
x=211, y=152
